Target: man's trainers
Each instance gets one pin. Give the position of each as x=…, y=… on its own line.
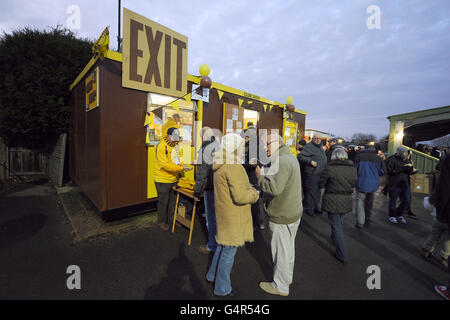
x=269, y=288
x=401, y=220
x=443, y=291
x=393, y=220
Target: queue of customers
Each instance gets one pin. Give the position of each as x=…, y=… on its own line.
x=240, y=194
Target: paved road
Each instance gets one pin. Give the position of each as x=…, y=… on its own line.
x=36, y=248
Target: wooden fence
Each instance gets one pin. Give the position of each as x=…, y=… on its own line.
x=22, y=161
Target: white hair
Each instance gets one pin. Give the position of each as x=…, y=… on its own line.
x=339, y=154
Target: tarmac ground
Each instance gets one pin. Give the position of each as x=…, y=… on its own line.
x=43, y=231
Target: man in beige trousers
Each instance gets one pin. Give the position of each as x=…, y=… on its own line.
x=281, y=185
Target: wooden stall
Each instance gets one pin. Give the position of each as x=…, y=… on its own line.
x=115, y=126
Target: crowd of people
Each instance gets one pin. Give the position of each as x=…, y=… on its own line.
x=241, y=193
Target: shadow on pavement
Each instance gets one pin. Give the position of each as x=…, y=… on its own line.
x=261, y=252
x=16, y=230
x=315, y=234
x=392, y=257
x=181, y=282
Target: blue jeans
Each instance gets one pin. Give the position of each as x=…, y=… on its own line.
x=402, y=193
x=210, y=219
x=312, y=193
x=337, y=235
x=220, y=269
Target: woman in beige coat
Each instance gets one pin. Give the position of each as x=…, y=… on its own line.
x=233, y=196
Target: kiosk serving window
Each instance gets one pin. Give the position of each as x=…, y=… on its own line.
x=290, y=134
x=164, y=115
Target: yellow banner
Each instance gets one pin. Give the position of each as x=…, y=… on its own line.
x=154, y=57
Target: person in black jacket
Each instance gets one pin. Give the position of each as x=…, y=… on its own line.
x=399, y=168
x=339, y=180
x=332, y=145
x=250, y=164
x=204, y=185
x=314, y=160
x=441, y=201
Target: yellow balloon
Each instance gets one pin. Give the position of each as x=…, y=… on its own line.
x=289, y=100
x=204, y=70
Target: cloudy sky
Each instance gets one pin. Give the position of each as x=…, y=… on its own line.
x=348, y=77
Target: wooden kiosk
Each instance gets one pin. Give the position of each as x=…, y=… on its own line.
x=120, y=103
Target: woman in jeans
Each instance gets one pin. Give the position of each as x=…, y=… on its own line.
x=339, y=180
x=233, y=195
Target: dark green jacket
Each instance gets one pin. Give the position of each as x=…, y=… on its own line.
x=339, y=180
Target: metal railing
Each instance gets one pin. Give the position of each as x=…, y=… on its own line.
x=424, y=163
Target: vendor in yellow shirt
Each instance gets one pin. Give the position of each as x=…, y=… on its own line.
x=168, y=169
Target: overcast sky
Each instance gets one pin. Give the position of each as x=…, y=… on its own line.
x=347, y=77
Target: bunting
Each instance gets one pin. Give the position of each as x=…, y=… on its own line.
x=175, y=105
x=220, y=93
x=188, y=98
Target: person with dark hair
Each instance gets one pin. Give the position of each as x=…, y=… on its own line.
x=300, y=146
x=332, y=145
x=399, y=168
x=250, y=163
x=441, y=201
x=168, y=169
x=204, y=185
x=370, y=167
x=314, y=160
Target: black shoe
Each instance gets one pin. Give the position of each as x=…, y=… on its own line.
x=340, y=260
x=411, y=214
x=232, y=294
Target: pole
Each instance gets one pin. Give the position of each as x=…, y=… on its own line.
x=118, y=29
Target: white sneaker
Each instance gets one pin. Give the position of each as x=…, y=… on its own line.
x=393, y=220
x=401, y=220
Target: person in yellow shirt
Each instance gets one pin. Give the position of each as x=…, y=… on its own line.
x=172, y=122
x=167, y=172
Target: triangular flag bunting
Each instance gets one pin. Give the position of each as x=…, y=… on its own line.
x=220, y=93
x=175, y=105
x=265, y=107
x=240, y=102
x=270, y=108
x=147, y=120
x=188, y=98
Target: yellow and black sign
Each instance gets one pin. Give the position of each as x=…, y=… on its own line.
x=154, y=57
x=92, y=100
